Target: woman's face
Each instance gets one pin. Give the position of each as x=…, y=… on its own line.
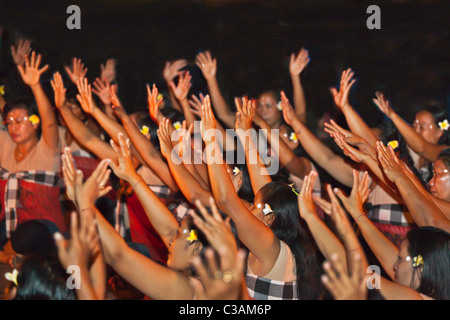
x=181, y=250
x=403, y=268
x=426, y=127
x=440, y=182
x=267, y=108
x=20, y=128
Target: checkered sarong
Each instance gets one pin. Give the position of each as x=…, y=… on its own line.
x=260, y=288
x=12, y=191
x=122, y=222
x=394, y=214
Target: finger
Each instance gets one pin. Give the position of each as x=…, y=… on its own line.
x=322, y=203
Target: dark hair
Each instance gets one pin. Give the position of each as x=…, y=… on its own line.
x=43, y=278
x=444, y=155
x=245, y=192
x=21, y=104
x=433, y=245
x=439, y=115
x=291, y=229
x=144, y=119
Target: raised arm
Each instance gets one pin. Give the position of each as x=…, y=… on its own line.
x=188, y=184
x=258, y=173
x=208, y=66
x=169, y=73
x=77, y=128
x=341, y=98
x=297, y=64
x=422, y=147
x=31, y=75
x=322, y=155
x=256, y=236
x=181, y=91
x=422, y=208
x=147, y=152
x=161, y=218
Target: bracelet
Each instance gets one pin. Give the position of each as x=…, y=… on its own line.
x=141, y=180
x=362, y=214
x=87, y=209
x=359, y=248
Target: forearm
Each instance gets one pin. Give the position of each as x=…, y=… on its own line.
x=148, y=153
x=358, y=126
x=160, y=217
x=219, y=104
x=383, y=249
x=86, y=290
x=323, y=156
x=299, y=98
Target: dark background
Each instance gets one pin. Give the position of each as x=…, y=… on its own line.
x=252, y=40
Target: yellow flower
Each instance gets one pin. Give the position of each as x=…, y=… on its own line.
x=12, y=276
x=145, y=130
x=293, y=137
x=393, y=144
x=444, y=125
x=34, y=119
x=417, y=261
x=159, y=97
x=279, y=107
x=2, y=90
x=177, y=125
x=192, y=236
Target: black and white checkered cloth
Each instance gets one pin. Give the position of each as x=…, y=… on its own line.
x=12, y=191
x=394, y=214
x=260, y=288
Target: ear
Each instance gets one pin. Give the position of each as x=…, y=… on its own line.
x=239, y=179
x=196, y=248
x=268, y=219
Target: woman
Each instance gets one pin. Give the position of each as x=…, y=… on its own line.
x=30, y=163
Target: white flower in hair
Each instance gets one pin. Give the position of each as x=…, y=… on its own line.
x=267, y=209
x=293, y=137
x=236, y=171
x=279, y=107
x=444, y=125
x=177, y=125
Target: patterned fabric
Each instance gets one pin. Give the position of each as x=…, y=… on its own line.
x=394, y=214
x=261, y=288
x=13, y=190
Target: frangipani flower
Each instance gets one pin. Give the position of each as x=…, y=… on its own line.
x=159, y=97
x=444, y=125
x=177, y=125
x=34, y=119
x=293, y=137
x=393, y=144
x=417, y=261
x=267, y=209
x=236, y=171
x=12, y=276
x=2, y=90
x=192, y=236
x=279, y=107
x=145, y=130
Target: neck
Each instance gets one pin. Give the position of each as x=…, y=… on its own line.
x=24, y=148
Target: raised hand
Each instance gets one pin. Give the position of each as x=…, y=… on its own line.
x=196, y=104
x=84, y=242
x=85, y=95
x=181, y=90
x=69, y=173
x=124, y=169
x=116, y=104
x=353, y=153
x=77, y=72
x=332, y=128
x=172, y=68
x=102, y=89
x=208, y=122
x=20, y=51
x=305, y=199
x=165, y=137
x=353, y=203
x=344, y=286
x=298, y=63
x=154, y=105
x=224, y=280
x=341, y=97
x=108, y=71
x=288, y=112
x=383, y=104
x=58, y=88
x=389, y=162
x=31, y=73
x=207, y=64
x=245, y=113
